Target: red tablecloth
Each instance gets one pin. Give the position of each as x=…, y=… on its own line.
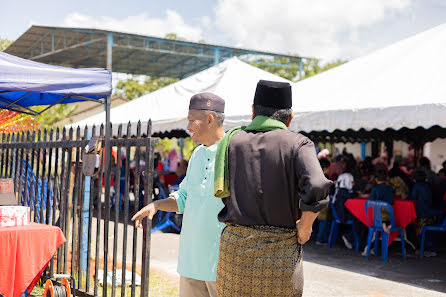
x=403, y=210
x=24, y=253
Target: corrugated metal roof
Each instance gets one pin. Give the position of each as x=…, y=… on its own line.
x=131, y=53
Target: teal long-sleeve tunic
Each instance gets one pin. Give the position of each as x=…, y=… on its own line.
x=201, y=230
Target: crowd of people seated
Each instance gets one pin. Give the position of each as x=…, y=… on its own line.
x=379, y=180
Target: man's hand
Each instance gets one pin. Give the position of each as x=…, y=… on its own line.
x=147, y=211
x=303, y=231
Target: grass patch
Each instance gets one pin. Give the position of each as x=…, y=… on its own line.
x=160, y=284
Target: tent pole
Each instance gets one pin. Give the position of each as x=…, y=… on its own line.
x=107, y=185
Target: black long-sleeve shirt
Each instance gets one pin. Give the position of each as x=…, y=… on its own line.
x=273, y=176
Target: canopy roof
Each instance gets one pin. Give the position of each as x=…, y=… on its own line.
x=125, y=52
x=393, y=92
x=25, y=83
x=233, y=80
x=399, y=86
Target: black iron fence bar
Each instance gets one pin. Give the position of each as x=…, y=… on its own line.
x=81, y=221
x=42, y=186
x=31, y=170
x=2, y=156
x=126, y=213
x=136, y=191
x=61, y=200
x=18, y=160
x=65, y=198
x=107, y=202
x=12, y=156
x=19, y=170
x=10, y=164
x=14, y=151
x=55, y=196
x=99, y=217
x=147, y=224
x=6, y=155
x=90, y=223
x=36, y=167
x=116, y=207
x=76, y=190
x=48, y=181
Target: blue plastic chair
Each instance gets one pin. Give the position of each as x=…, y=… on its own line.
x=335, y=227
x=377, y=228
x=437, y=227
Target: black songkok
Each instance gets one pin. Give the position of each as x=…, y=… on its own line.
x=207, y=101
x=273, y=94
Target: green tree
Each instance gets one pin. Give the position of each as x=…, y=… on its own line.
x=53, y=115
x=289, y=69
x=174, y=36
x=4, y=43
x=132, y=89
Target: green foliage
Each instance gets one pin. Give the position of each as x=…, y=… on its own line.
x=289, y=69
x=174, y=36
x=54, y=114
x=132, y=89
x=4, y=43
x=188, y=148
x=166, y=145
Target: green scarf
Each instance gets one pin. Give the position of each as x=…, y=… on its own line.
x=221, y=174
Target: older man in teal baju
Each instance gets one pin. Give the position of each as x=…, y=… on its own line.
x=201, y=230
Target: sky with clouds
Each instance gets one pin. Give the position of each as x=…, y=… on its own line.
x=327, y=29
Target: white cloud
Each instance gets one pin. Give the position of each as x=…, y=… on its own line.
x=137, y=24
x=305, y=27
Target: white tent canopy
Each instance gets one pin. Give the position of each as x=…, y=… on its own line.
x=233, y=80
x=402, y=85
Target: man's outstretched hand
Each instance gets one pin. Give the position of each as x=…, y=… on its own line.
x=147, y=211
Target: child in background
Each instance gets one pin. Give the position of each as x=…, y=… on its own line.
x=383, y=192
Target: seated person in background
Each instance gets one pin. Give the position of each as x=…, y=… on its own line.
x=383, y=192
x=181, y=172
x=422, y=194
x=344, y=191
x=426, y=214
x=425, y=166
x=400, y=187
x=442, y=186
x=324, y=217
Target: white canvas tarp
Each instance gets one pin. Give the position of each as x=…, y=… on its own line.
x=402, y=85
x=233, y=80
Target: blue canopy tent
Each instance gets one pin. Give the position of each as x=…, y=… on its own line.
x=25, y=83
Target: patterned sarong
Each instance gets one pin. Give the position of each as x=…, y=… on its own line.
x=259, y=261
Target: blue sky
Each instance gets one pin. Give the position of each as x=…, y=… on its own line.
x=327, y=29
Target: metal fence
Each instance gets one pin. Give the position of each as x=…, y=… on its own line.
x=46, y=166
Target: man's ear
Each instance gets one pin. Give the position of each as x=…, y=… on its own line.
x=210, y=118
x=289, y=120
